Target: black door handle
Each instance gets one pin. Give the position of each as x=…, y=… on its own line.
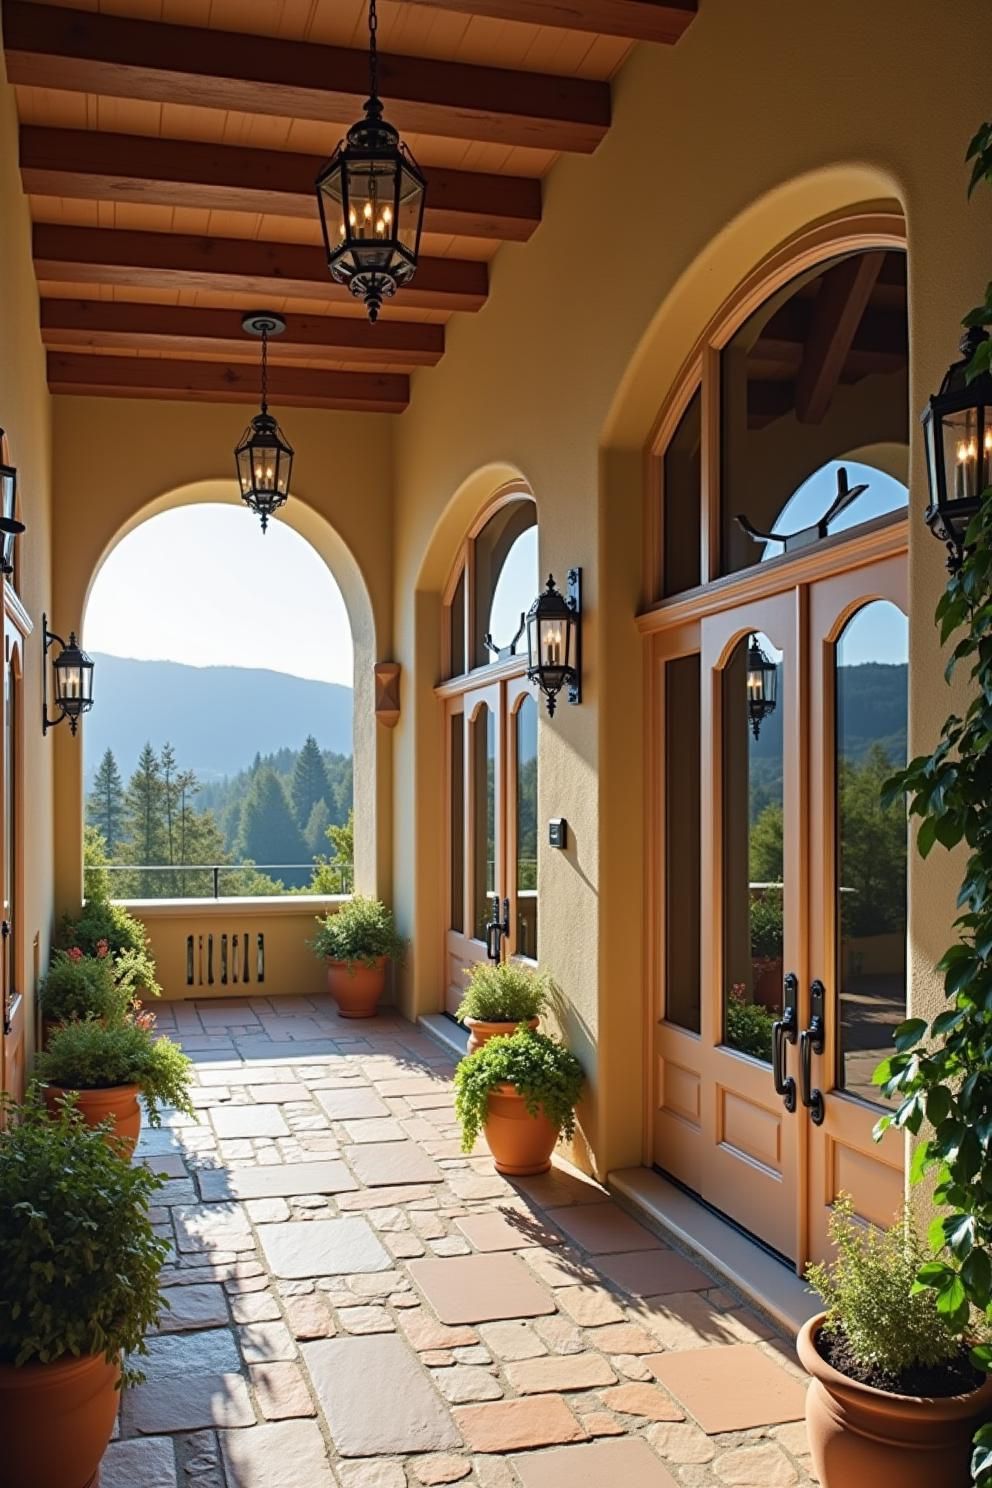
x=785, y=1030
x=497, y=930
x=812, y=1041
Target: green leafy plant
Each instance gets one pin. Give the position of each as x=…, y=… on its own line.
x=544, y=1072
x=748, y=1025
x=81, y=1260
x=504, y=992
x=767, y=926
x=358, y=933
x=88, y=1055
x=79, y=986
x=889, y=1324
x=104, y=928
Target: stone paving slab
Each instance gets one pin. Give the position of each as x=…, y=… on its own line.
x=173, y=1355
x=324, y=1247
x=249, y=1121
x=280, y=1181
x=731, y=1388
x=289, y=1454
x=352, y=1105
x=480, y=1289
x=150, y=1463
x=189, y=1403
x=381, y=1164
x=403, y=1413
x=630, y=1462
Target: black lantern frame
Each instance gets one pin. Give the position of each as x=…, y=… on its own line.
x=10, y=527
x=264, y=457
x=72, y=673
x=371, y=196
x=554, y=641
x=957, y=430
x=762, y=686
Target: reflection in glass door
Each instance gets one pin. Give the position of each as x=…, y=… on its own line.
x=525, y=773
x=12, y=1030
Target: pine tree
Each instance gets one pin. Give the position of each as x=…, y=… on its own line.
x=144, y=821
x=309, y=781
x=269, y=834
x=316, y=829
x=105, y=807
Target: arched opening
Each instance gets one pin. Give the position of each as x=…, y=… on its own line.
x=219, y=762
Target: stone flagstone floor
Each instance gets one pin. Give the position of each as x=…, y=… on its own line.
x=355, y=1304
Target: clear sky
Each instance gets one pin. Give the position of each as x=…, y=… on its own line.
x=202, y=585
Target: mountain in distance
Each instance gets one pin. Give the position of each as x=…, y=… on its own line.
x=217, y=718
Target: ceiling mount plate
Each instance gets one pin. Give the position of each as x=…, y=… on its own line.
x=263, y=323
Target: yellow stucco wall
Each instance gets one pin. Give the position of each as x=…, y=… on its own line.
x=766, y=117
x=25, y=415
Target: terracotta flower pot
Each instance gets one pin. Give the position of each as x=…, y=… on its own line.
x=118, y=1101
x=861, y=1437
x=356, y=989
x=520, y=1143
x=56, y=1420
x=480, y=1032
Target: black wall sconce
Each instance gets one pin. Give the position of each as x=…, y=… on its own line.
x=72, y=671
x=10, y=527
x=762, y=686
x=554, y=641
x=957, y=431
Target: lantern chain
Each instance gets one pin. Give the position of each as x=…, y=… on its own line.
x=265, y=369
x=373, y=52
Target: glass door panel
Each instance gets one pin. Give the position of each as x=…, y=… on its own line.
x=523, y=772
x=482, y=736
x=12, y=1030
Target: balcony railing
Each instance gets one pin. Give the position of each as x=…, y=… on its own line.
x=174, y=881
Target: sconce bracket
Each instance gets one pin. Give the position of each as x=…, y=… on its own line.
x=573, y=596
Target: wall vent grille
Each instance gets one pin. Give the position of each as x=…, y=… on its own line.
x=225, y=960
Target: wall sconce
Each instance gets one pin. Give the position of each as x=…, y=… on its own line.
x=72, y=671
x=10, y=527
x=554, y=641
x=957, y=434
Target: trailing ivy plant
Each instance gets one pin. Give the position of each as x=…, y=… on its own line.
x=941, y=1072
x=545, y=1073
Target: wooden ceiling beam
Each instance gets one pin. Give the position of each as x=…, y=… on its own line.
x=89, y=165
x=94, y=255
x=102, y=325
x=641, y=20
x=80, y=51
x=225, y=382
x=774, y=357
x=840, y=304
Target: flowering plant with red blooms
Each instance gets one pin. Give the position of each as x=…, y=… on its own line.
x=74, y=953
x=102, y=949
x=141, y=1019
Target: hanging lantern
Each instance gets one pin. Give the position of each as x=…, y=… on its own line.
x=762, y=686
x=264, y=458
x=957, y=429
x=554, y=656
x=72, y=673
x=10, y=527
x=371, y=195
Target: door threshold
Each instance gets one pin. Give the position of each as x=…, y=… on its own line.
x=745, y=1265
x=445, y=1031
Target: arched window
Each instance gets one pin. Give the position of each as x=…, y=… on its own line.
x=219, y=759
x=491, y=749
x=805, y=397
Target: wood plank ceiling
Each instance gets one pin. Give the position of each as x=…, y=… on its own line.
x=169, y=150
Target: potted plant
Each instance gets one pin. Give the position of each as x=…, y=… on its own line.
x=894, y=1396
x=107, y=1066
x=79, y=986
x=105, y=929
x=499, y=997
x=356, y=941
x=78, y=1288
x=522, y=1091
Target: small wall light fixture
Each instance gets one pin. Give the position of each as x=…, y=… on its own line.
x=554, y=641
x=762, y=686
x=72, y=672
x=10, y=527
x=264, y=456
x=957, y=430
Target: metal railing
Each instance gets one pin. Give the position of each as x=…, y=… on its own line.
x=343, y=875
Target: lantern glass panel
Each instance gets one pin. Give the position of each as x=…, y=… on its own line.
x=411, y=205
x=334, y=210
x=931, y=425
x=967, y=443
x=68, y=683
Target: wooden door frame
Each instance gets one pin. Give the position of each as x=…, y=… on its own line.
x=18, y=626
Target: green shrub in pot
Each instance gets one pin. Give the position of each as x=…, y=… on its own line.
x=103, y=928
x=81, y=1260
x=89, y=1055
x=545, y=1074
x=79, y=986
x=504, y=992
x=360, y=933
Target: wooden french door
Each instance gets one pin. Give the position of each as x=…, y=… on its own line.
x=12, y=1048
x=780, y=888
x=491, y=751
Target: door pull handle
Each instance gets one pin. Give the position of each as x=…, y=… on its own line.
x=812, y=1041
x=785, y=1030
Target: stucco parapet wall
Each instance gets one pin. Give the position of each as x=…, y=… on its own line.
x=262, y=907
